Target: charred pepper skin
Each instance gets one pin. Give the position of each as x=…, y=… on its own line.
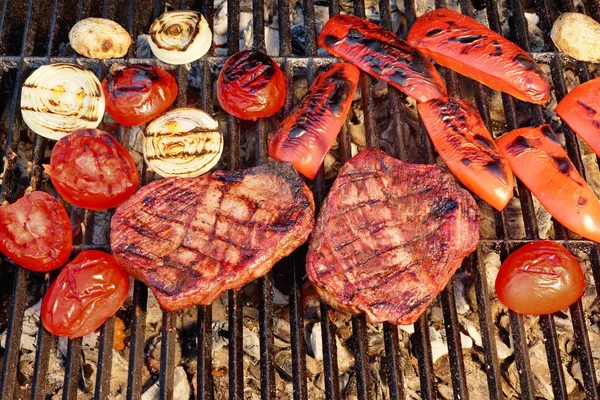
x=251, y=86
x=383, y=55
x=466, y=146
x=306, y=135
x=464, y=45
x=580, y=109
x=537, y=158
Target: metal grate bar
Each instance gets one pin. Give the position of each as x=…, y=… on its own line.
x=392, y=361
x=553, y=354
x=167, y=356
x=582, y=343
x=519, y=344
x=137, y=338
x=422, y=350
x=105, y=349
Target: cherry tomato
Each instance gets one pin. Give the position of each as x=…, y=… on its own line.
x=35, y=232
x=466, y=146
x=540, y=162
x=137, y=94
x=91, y=169
x=306, y=135
x=540, y=278
x=580, y=109
x=251, y=86
x=87, y=291
x=473, y=50
x=382, y=54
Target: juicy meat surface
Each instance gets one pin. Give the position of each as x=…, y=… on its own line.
x=192, y=239
x=389, y=237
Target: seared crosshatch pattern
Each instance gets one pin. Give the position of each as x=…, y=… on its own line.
x=30, y=35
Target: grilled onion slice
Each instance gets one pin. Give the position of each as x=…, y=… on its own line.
x=180, y=37
x=184, y=142
x=59, y=98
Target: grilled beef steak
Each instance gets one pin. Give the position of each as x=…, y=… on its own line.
x=389, y=237
x=190, y=240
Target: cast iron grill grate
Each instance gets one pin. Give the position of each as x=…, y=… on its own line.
x=28, y=23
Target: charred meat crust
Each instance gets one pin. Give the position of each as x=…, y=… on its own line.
x=191, y=240
x=389, y=237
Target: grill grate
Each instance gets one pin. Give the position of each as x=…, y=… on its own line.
x=52, y=17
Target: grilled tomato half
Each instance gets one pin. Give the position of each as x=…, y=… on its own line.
x=540, y=278
x=88, y=290
x=306, y=135
x=137, y=94
x=91, y=169
x=251, y=85
x=35, y=232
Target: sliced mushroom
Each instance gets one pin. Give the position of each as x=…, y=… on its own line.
x=99, y=38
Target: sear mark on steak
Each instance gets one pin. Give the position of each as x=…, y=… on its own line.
x=389, y=237
x=191, y=240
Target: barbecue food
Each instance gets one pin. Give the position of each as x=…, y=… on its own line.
x=577, y=35
x=475, y=51
x=580, y=109
x=381, y=54
x=99, y=38
x=389, y=237
x=192, y=239
x=537, y=158
x=466, y=146
x=306, y=135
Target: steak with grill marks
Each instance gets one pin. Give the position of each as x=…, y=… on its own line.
x=192, y=239
x=389, y=237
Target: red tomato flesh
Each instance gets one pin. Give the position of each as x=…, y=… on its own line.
x=251, y=86
x=88, y=290
x=473, y=50
x=91, y=169
x=138, y=94
x=383, y=55
x=306, y=135
x=35, y=232
x=466, y=146
x=540, y=278
x=540, y=162
x=580, y=109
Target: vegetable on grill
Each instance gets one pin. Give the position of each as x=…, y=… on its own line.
x=540, y=162
x=88, y=291
x=306, y=135
x=99, y=38
x=180, y=37
x=473, y=50
x=580, y=109
x=540, y=278
x=383, y=55
x=57, y=99
x=251, y=86
x=91, y=169
x=184, y=142
x=137, y=94
x=35, y=232
x=466, y=146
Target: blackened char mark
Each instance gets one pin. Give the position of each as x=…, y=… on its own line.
x=466, y=161
x=529, y=64
x=518, y=145
x=547, y=131
x=591, y=113
x=485, y=142
x=339, y=94
x=230, y=176
x=563, y=164
x=495, y=168
x=253, y=68
x=466, y=39
x=331, y=40
x=497, y=49
x=445, y=206
x=433, y=32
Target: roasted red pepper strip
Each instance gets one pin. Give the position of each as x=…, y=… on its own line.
x=380, y=53
x=471, y=49
x=580, y=109
x=540, y=162
x=306, y=135
x=466, y=146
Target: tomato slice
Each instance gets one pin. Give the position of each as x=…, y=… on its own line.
x=383, y=55
x=580, y=109
x=35, y=232
x=540, y=278
x=88, y=290
x=137, y=94
x=91, y=169
x=473, y=50
x=539, y=161
x=251, y=85
x=306, y=135
x=466, y=146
